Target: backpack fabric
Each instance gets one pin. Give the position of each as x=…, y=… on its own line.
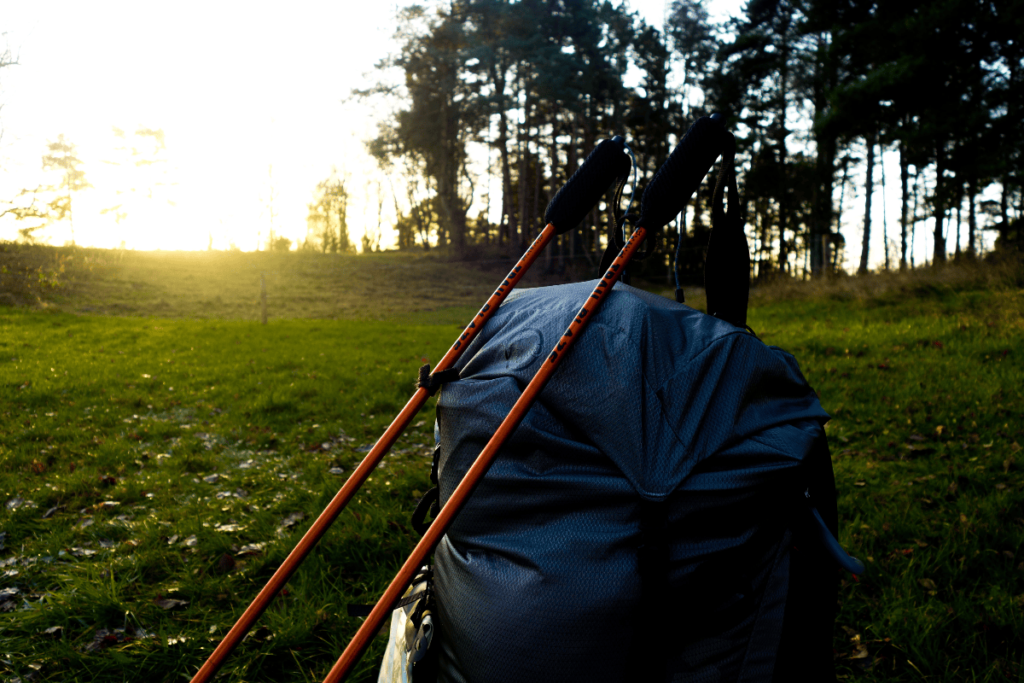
x=646, y=521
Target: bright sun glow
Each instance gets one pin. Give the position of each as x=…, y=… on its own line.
x=250, y=97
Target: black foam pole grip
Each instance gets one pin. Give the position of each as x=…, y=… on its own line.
x=681, y=174
x=588, y=184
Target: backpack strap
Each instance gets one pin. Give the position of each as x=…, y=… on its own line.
x=430, y=502
x=432, y=381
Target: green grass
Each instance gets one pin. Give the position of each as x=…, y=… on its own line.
x=120, y=423
x=115, y=426
x=407, y=287
x=927, y=399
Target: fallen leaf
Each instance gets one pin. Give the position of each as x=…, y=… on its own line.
x=1000, y=487
x=860, y=483
x=170, y=603
x=105, y=638
x=250, y=549
x=860, y=653
x=226, y=563
x=293, y=519
x=927, y=584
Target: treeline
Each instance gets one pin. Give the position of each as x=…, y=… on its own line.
x=815, y=92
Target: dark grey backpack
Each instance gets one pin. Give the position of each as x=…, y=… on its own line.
x=666, y=510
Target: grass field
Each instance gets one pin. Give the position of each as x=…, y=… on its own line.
x=156, y=470
x=226, y=284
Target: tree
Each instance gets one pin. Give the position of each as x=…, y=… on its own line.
x=61, y=157
x=279, y=243
x=539, y=82
x=327, y=222
x=47, y=204
x=441, y=114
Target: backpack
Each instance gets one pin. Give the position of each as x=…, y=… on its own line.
x=653, y=516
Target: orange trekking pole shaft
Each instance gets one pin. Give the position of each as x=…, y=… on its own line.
x=444, y=518
x=567, y=209
x=697, y=150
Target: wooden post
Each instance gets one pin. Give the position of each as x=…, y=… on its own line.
x=263, y=299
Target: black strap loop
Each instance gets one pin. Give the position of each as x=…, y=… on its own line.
x=727, y=261
x=434, y=381
x=429, y=502
x=615, y=244
x=428, y=592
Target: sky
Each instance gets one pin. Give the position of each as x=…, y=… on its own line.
x=254, y=100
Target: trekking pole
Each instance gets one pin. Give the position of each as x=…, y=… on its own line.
x=570, y=205
x=664, y=197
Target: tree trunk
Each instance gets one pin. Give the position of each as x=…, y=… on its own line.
x=508, y=220
x=523, y=145
x=869, y=188
x=552, y=189
x=764, y=264
x=972, y=223
x=939, y=250
x=959, y=206
x=783, y=204
x=1004, y=210
x=822, y=209
x=842, y=206
x=885, y=223
x=913, y=217
x=535, y=209
x=825, y=164
x=904, y=199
